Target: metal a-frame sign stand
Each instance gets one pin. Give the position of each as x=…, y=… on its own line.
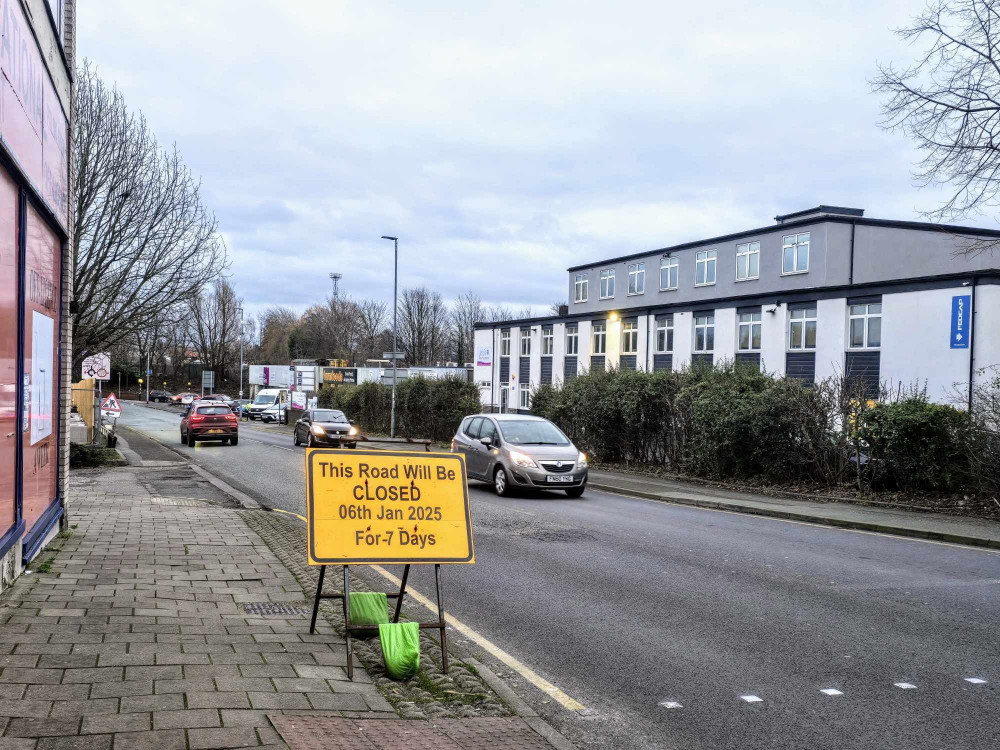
x=349, y=628
x=386, y=507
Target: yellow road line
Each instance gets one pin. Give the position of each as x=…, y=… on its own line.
x=289, y=513
x=526, y=672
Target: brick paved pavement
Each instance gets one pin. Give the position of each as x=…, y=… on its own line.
x=136, y=638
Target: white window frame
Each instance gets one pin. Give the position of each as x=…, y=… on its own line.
x=630, y=337
x=793, y=242
x=505, y=343
x=666, y=326
x=525, y=342
x=608, y=283
x=636, y=278
x=581, y=288
x=707, y=259
x=867, y=316
x=707, y=325
x=524, y=396
x=801, y=316
x=750, y=321
x=548, y=341
x=572, y=340
x=599, y=332
x=749, y=251
x=668, y=264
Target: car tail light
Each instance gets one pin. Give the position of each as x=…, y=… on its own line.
x=197, y=418
x=231, y=418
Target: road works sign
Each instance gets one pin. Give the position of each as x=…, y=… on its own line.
x=110, y=407
x=387, y=507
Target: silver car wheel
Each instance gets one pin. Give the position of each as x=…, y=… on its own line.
x=500, y=481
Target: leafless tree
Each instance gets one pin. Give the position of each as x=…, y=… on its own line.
x=144, y=241
x=276, y=325
x=948, y=102
x=373, y=318
x=423, y=326
x=556, y=306
x=214, y=324
x=465, y=313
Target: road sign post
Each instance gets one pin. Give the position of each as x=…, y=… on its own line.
x=386, y=507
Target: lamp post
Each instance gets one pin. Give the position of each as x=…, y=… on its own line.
x=241, y=352
x=395, y=278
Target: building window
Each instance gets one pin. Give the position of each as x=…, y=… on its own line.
x=599, y=337
x=795, y=253
x=608, y=283
x=802, y=328
x=866, y=325
x=747, y=261
x=749, y=332
x=505, y=343
x=580, y=288
x=524, y=396
x=525, y=342
x=704, y=332
x=637, y=278
x=704, y=267
x=665, y=334
x=668, y=274
x=547, y=341
x=630, y=337
x=572, y=340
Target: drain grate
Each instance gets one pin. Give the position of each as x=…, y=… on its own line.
x=273, y=608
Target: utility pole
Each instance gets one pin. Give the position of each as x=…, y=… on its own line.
x=395, y=279
x=148, y=378
x=241, y=352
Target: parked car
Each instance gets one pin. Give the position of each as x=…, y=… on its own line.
x=218, y=397
x=163, y=396
x=237, y=405
x=325, y=427
x=269, y=404
x=209, y=420
x=178, y=397
x=516, y=450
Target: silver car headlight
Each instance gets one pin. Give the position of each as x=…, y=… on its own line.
x=353, y=430
x=523, y=459
x=317, y=430
x=581, y=460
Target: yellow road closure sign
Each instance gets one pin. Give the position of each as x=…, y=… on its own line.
x=387, y=507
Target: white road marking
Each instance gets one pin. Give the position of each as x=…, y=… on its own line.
x=671, y=704
x=830, y=691
x=751, y=699
x=905, y=685
x=976, y=680
x=526, y=672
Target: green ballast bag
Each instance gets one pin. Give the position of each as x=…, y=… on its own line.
x=400, y=648
x=368, y=608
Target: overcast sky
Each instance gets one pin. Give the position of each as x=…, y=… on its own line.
x=504, y=142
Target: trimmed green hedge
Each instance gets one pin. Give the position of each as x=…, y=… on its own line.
x=424, y=408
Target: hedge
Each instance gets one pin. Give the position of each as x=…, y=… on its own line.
x=424, y=408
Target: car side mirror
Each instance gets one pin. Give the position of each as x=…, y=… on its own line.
x=487, y=441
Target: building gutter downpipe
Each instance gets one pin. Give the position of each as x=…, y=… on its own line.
x=972, y=344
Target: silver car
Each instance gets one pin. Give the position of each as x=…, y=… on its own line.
x=517, y=450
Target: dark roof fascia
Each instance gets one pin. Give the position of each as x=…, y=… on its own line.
x=822, y=209
x=792, y=295
x=925, y=226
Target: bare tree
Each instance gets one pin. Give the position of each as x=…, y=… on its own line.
x=423, y=326
x=465, y=314
x=373, y=318
x=144, y=241
x=276, y=325
x=214, y=322
x=948, y=102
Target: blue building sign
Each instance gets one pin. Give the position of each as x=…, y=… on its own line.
x=961, y=321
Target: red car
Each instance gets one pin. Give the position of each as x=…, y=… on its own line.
x=210, y=420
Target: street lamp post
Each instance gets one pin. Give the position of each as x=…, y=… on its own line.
x=241, y=352
x=395, y=278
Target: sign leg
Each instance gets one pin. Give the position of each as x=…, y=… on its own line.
x=319, y=591
x=402, y=590
x=347, y=623
x=444, y=637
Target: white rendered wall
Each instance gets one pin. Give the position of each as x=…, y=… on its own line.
x=535, y=369
x=583, y=338
x=641, y=359
x=831, y=337
x=987, y=338
x=772, y=339
x=613, y=343
x=683, y=339
x=725, y=334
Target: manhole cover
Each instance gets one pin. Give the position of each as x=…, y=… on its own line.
x=273, y=608
x=558, y=535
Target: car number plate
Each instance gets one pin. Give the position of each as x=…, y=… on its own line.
x=560, y=480
x=214, y=432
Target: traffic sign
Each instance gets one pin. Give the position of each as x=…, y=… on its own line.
x=110, y=407
x=387, y=507
x=392, y=355
x=97, y=366
x=208, y=380
x=148, y=371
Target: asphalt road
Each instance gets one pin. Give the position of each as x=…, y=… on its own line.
x=625, y=604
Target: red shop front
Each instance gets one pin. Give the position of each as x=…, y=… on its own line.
x=33, y=235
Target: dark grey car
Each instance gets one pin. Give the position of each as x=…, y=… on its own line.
x=327, y=427
x=517, y=450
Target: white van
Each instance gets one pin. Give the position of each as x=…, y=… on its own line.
x=269, y=404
